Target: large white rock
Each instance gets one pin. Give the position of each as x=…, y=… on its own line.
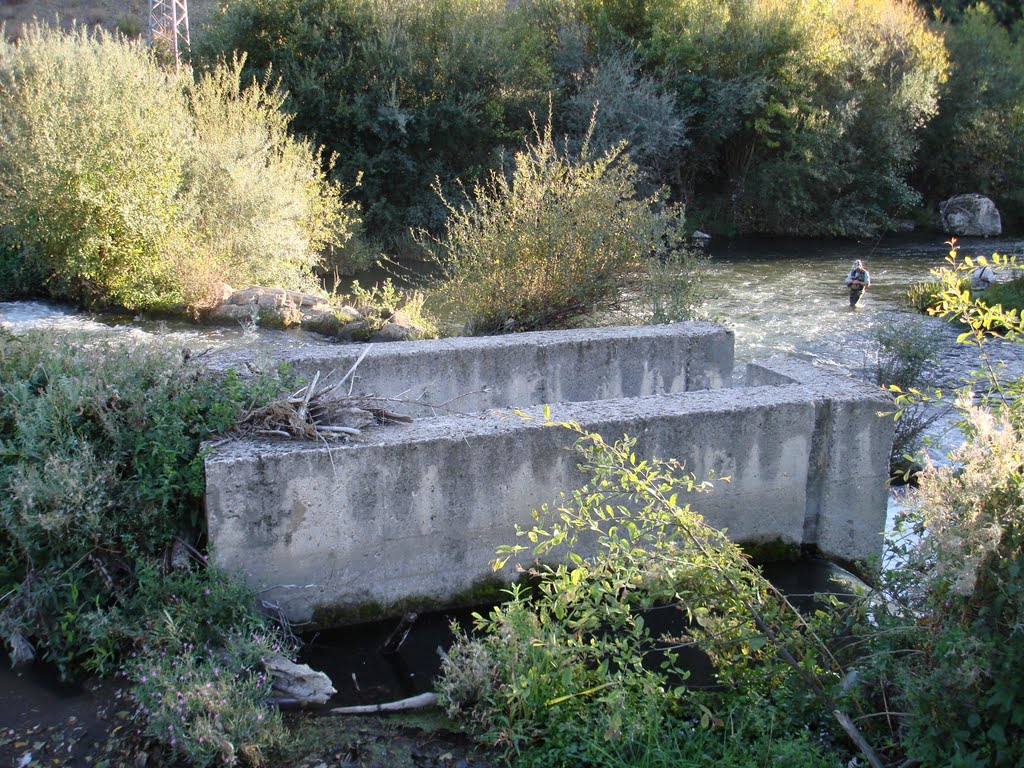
x=971, y=216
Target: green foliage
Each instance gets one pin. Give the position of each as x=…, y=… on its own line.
x=626, y=105
x=903, y=357
x=1007, y=12
x=100, y=468
x=924, y=295
x=256, y=201
x=385, y=302
x=1008, y=294
x=791, y=117
x=404, y=92
x=206, y=700
x=804, y=114
x=976, y=143
x=562, y=239
x=944, y=646
x=124, y=184
x=570, y=672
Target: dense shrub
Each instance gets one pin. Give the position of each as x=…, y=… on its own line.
x=944, y=634
x=124, y=184
x=976, y=143
x=100, y=469
x=561, y=239
x=404, y=92
x=1007, y=12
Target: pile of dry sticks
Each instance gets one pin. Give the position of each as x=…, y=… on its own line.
x=327, y=413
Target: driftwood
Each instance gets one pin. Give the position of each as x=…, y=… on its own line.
x=318, y=412
x=423, y=701
x=397, y=637
x=297, y=684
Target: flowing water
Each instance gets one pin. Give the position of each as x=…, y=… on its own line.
x=788, y=297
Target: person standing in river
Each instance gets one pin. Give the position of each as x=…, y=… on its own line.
x=857, y=280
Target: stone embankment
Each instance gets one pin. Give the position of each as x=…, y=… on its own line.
x=280, y=308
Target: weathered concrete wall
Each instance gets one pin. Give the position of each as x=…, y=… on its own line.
x=468, y=375
x=417, y=511
x=848, y=490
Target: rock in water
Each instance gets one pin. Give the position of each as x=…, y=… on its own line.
x=971, y=216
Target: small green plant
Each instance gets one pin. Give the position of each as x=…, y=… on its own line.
x=904, y=354
x=924, y=295
x=559, y=240
x=208, y=703
x=385, y=302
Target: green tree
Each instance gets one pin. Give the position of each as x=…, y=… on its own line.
x=804, y=115
x=976, y=143
x=403, y=92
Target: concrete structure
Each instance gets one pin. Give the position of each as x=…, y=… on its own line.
x=415, y=512
x=469, y=375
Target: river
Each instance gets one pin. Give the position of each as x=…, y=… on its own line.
x=780, y=297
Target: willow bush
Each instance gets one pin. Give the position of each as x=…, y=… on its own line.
x=124, y=184
x=563, y=238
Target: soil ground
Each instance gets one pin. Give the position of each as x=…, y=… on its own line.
x=44, y=724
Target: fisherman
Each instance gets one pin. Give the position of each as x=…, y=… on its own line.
x=857, y=280
x=981, y=278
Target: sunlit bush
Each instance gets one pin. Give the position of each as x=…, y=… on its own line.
x=571, y=667
x=125, y=184
x=561, y=239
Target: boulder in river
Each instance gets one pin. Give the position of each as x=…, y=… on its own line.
x=970, y=216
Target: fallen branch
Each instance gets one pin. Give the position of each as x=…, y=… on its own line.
x=423, y=701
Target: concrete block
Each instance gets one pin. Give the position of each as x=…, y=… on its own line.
x=467, y=375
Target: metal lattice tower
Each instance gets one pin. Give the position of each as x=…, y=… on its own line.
x=168, y=27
